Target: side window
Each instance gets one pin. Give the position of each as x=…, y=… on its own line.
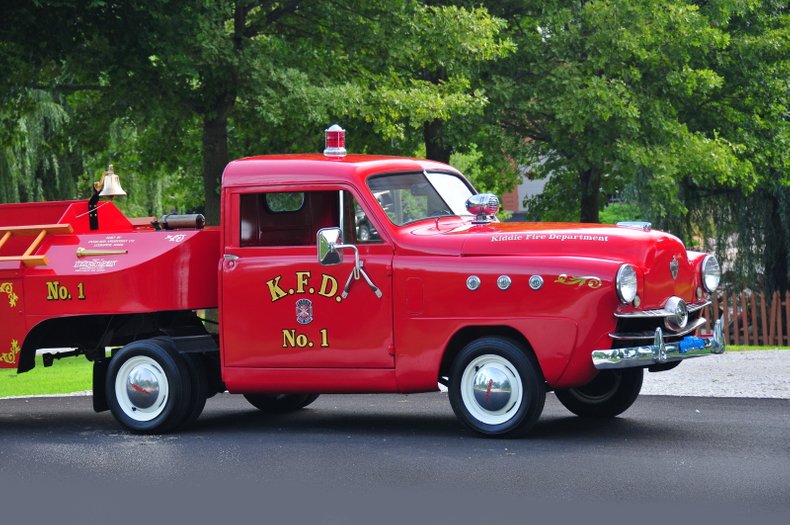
x=358, y=229
x=284, y=202
x=286, y=218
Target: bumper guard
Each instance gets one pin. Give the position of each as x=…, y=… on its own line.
x=660, y=352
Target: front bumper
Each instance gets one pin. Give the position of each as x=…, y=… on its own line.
x=660, y=352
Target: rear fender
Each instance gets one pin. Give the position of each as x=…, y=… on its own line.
x=92, y=333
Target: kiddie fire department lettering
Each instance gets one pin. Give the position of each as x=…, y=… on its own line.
x=439, y=292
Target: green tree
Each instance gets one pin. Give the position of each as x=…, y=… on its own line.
x=253, y=74
x=35, y=156
x=431, y=73
x=750, y=109
x=599, y=94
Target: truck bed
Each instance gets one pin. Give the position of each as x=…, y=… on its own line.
x=53, y=266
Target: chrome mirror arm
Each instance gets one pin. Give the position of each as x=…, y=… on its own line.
x=356, y=271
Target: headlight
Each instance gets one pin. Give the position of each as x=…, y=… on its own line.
x=625, y=283
x=711, y=273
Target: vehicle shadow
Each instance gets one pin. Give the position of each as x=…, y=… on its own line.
x=424, y=417
x=555, y=425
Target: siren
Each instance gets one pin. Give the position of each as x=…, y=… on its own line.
x=484, y=206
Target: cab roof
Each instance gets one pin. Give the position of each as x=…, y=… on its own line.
x=316, y=168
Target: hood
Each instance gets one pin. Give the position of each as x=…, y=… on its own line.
x=660, y=258
x=653, y=252
x=634, y=245
x=628, y=244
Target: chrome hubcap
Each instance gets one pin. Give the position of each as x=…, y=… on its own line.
x=141, y=388
x=491, y=389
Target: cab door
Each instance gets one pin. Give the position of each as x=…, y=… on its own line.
x=280, y=308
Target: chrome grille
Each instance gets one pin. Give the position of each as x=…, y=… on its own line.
x=641, y=325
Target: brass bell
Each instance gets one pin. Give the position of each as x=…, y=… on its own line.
x=111, y=184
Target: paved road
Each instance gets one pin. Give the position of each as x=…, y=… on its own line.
x=405, y=458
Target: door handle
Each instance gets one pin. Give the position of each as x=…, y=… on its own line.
x=230, y=260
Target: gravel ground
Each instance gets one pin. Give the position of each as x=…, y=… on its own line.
x=754, y=373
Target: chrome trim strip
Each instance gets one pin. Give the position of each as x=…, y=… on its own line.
x=660, y=352
x=692, y=308
x=649, y=335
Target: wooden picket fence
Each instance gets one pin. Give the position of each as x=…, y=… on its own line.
x=751, y=318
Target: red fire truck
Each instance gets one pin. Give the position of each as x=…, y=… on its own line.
x=341, y=273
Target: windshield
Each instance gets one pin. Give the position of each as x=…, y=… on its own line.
x=409, y=197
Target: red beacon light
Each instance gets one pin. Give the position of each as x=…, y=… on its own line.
x=335, y=142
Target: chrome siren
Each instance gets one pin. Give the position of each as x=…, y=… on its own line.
x=484, y=206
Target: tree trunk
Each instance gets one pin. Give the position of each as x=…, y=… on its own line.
x=215, y=157
x=436, y=147
x=775, y=251
x=590, y=185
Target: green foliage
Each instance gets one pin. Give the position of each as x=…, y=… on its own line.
x=484, y=176
x=39, y=160
x=752, y=219
x=621, y=211
x=605, y=88
x=424, y=74
x=559, y=201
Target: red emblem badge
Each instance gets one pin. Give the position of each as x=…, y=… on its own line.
x=304, y=311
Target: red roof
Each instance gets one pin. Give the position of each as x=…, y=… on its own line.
x=276, y=169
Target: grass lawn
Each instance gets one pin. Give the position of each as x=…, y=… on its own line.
x=63, y=377
x=76, y=374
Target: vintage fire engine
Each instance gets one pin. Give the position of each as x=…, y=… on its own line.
x=341, y=273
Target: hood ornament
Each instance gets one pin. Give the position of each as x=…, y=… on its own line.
x=674, y=266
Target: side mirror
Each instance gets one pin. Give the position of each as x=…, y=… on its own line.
x=327, y=240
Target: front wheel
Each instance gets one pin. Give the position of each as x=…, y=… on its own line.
x=496, y=388
x=148, y=387
x=611, y=393
x=280, y=403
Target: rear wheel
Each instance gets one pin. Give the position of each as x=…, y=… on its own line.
x=611, y=393
x=148, y=387
x=280, y=403
x=496, y=388
x=197, y=378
